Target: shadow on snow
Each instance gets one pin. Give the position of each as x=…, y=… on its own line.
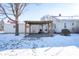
x=40, y=42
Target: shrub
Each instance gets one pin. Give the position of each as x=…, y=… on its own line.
x=65, y=32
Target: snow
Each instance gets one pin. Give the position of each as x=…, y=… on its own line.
x=67, y=17
x=57, y=45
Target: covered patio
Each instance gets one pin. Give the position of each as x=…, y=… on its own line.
x=28, y=28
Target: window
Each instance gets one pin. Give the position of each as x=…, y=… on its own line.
x=14, y=26
x=72, y=23
x=64, y=25
x=55, y=26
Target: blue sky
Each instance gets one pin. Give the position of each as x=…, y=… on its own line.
x=36, y=11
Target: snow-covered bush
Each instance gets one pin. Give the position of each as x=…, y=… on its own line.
x=65, y=32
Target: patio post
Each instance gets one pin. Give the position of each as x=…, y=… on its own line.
x=25, y=28
x=29, y=28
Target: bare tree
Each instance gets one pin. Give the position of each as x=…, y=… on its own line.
x=13, y=11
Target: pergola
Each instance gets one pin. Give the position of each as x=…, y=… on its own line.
x=29, y=23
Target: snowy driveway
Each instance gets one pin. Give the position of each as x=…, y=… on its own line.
x=11, y=45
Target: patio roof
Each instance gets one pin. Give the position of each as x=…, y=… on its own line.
x=38, y=22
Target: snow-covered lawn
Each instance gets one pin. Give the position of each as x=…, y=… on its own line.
x=58, y=45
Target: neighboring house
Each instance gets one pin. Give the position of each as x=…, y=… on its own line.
x=59, y=23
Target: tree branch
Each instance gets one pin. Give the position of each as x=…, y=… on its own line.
x=12, y=7
x=22, y=8
x=5, y=13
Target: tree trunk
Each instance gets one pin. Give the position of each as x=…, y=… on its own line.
x=16, y=19
x=17, y=29
x=17, y=26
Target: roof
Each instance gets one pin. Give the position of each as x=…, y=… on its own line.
x=66, y=17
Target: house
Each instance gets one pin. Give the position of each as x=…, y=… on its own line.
x=62, y=22
x=59, y=23
x=10, y=27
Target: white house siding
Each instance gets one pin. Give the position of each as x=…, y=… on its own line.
x=70, y=24
x=77, y=27
x=45, y=28
x=58, y=25
x=21, y=27
x=9, y=28
x=36, y=28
